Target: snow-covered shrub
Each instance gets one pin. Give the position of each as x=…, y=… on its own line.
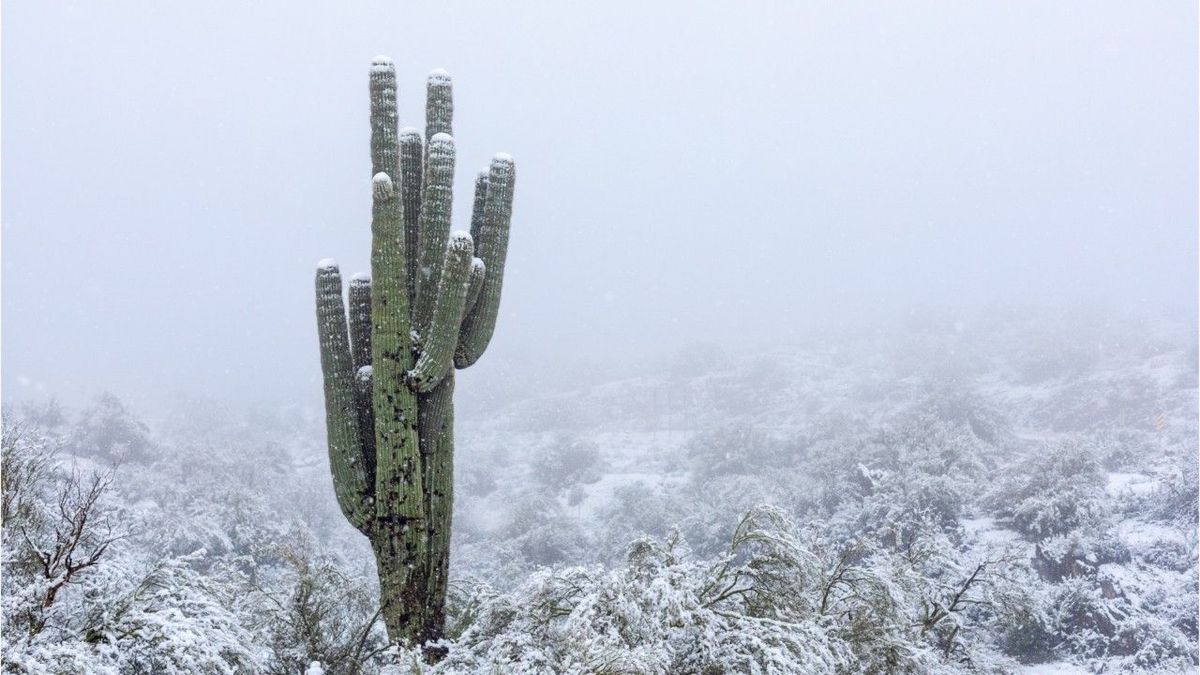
x=956, y=406
x=775, y=601
x=567, y=461
x=76, y=591
x=1057, y=491
x=660, y=613
x=543, y=531
x=635, y=510
x=166, y=617
x=737, y=450
x=916, y=475
x=312, y=610
x=27, y=469
x=1176, y=498
x=1081, y=618
x=1078, y=553
x=108, y=431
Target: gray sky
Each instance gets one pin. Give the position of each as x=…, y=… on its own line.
x=729, y=172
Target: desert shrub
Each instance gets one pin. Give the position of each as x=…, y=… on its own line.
x=1176, y=497
x=109, y=431
x=543, y=532
x=737, y=450
x=1058, y=491
x=567, y=461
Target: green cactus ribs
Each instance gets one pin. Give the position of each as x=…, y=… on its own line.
x=428, y=306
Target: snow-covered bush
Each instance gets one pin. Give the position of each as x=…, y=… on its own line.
x=1176, y=498
x=543, y=531
x=1057, y=491
x=567, y=461
x=76, y=592
x=769, y=604
x=737, y=450
x=313, y=610
x=108, y=431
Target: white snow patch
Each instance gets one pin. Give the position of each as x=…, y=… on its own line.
x=1059, y=668
x=985, y=531
x=327, y=264
x=1129, y=484
x=1138, y=534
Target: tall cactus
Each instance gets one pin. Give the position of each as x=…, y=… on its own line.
x=429, y=306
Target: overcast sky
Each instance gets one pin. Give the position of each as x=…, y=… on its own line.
x=735, y=172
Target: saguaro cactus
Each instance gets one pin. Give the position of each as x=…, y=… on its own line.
x=429, y=306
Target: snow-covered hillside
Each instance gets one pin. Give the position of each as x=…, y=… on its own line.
x=1002, y=495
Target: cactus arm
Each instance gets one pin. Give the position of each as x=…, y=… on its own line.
x=477, y=207
x=439, y=104
x=360, y=351
x=364, y=383
x=435, y=224
x=479, y=325
x=384, y=155
x=397, y=459
x=437, y=349
x=360, y=320
x=412, y=151
x=474, y=285
x=341, y=417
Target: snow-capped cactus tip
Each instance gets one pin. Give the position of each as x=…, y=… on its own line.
x=439, y=75
x=409, y=132
x=441, y=138
x=381, y=60
x=327, y=264
x=460, y=238
x=381, y=186
x=502, y=158
x=361, y=278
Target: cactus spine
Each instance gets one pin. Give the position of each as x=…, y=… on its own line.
x=428, y=306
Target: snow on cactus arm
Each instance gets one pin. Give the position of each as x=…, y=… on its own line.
x=440, y=339
x=360, y=349
x=360, y=320
x=439, y=104
x=474, y=285
x=341, y=418
x=479, y=325
x=435, y=225
x=364, y=400
x=385, y=155
x=477, y=208
x=412, y=162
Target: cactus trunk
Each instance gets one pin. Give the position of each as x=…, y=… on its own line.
x=437, y=450
x=429, y=306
